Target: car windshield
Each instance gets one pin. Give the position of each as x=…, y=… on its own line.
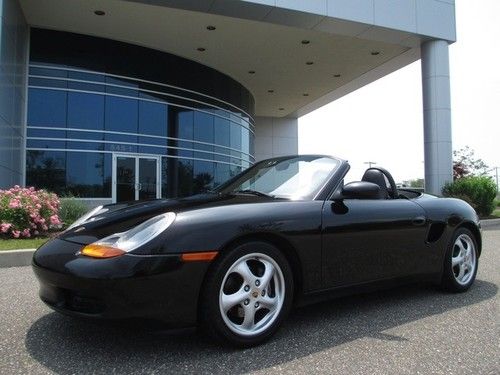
x=295, y=177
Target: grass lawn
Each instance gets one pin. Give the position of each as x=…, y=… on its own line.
x=25, y=243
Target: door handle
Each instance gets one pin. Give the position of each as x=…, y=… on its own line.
x=419, y=220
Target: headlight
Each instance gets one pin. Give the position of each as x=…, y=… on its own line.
x=121, y=243
x=87, y=216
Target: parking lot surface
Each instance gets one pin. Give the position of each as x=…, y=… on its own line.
x=408, y=330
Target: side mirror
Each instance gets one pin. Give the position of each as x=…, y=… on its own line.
x=360, y=190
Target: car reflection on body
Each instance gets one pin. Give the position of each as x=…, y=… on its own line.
x=236, y=259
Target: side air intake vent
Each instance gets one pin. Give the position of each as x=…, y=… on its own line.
x=435, y=232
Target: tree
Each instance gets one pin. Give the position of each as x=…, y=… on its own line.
x=202, y=182
x=417, y=183
x=466, y=164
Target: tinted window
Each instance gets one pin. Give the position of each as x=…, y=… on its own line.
x=203, y=127
x=121, y=114
x=86, y=76
x=221, y=131
x=184, y=176
x=85, y=111
x=107, y=178
x=46, y=133
x=222, y=173
x=152, y=118
x=47, y=108
x=184, y=125
x=245, y=141
x=84, y=145
x=100, y=108
x=235, y=132
x=85, y=174
x=46, y=169
x=203, y=176
x=45, y=143
x=73, y=134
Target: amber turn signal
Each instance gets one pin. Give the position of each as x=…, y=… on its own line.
x=206, y=256
x=101, y=251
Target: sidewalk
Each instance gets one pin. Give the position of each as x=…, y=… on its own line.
x=490, y=223
x=16, y=258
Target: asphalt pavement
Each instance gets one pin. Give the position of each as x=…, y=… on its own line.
x=408, y=330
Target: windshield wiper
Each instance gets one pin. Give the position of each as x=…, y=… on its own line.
x=253, y=192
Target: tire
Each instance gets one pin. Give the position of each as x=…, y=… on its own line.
x=461, y=262
x=247, y=294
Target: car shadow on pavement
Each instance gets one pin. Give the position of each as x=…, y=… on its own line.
x=68, y=345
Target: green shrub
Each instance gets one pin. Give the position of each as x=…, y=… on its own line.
x=478, y=191
x=71, y=209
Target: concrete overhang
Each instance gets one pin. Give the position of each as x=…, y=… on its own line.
x=348, y=45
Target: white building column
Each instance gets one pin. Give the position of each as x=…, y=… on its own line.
x=276, y=136
x=437, y=115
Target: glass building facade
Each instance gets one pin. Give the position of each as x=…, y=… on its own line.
x=112, y=120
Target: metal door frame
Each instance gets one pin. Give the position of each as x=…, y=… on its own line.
x=136, y=157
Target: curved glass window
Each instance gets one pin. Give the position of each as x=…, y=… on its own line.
x=80, y=120
x=47, y=108
x=121, y=114
x=153, y=118
x=85, y=111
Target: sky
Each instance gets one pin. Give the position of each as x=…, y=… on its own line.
x=382, y=122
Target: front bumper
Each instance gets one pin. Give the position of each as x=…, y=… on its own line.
x=153, y=287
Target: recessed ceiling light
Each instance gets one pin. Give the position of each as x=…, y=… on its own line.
x=309, y=62
x=375, y=53
x=211, y=28
x=305, y=41
x=201, y=49
x=270, y=91
x=251, y=72
x=281, y=109
x=305, y=94
x=99, y=12
x=336, y=75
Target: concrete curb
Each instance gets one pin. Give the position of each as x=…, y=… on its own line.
x=16, y=258
x=490, y=223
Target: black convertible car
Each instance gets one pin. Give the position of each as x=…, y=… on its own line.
x=234, y=260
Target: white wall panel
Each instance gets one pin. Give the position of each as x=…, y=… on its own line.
x=275, y=137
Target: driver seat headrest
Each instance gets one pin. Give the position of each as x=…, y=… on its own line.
x=375, y=176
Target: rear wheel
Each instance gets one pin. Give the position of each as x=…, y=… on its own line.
x=461, y=261
x=247, y=294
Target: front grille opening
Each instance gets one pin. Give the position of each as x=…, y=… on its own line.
x=79, y=303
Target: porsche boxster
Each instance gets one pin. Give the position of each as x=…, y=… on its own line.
x=235, y=260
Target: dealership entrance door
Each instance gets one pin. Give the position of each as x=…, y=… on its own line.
x=135, y=177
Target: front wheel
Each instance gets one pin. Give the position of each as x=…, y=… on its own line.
x=247, y=294
x=461, y=261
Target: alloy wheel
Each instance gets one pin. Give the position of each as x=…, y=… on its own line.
x=251, y=294
x=463, y=259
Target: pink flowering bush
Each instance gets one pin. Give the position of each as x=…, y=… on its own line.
x=26, y=212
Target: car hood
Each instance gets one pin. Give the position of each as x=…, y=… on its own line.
x=123, y=216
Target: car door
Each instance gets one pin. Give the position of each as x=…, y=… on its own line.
x=371, y=239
